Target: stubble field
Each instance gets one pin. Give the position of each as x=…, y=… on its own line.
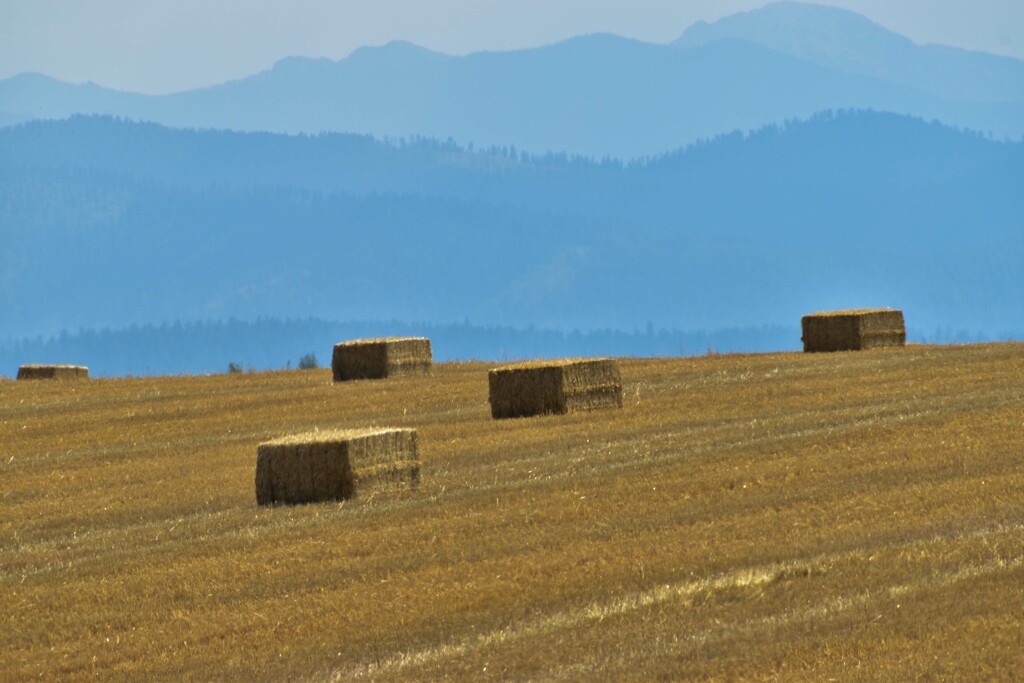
x=851, y=516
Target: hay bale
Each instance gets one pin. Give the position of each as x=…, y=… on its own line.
x=380, y=358
x=853, y=330
x=335, y=465
x=556, y=386
x=53, y=372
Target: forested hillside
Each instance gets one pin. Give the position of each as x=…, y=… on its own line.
x=213, y=347
x=112, y=223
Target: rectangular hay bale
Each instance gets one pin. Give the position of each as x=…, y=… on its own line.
x=53, y=372
x=554, y=386
x=853, y=330
x=380, y=358
x=335, y=465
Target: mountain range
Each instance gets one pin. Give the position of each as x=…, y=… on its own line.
x=542, y=201
x=598, y=95
x=108, y=222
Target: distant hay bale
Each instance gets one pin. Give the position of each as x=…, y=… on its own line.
x=335, y=465
x=554, y=386
x=53, y=372
x=853, y=330
x=380, y=358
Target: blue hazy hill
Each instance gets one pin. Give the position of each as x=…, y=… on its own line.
x=599, y=95
x=112, y=223
x=848, y=42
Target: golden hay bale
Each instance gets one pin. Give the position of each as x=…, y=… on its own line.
x=335, y=465
x=853, y=330
x=53, y=372
x=379, y=358
x=554, y=386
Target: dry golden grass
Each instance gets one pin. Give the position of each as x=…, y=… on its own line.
x=851, y=516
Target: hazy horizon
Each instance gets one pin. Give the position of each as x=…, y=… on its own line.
x=154, y=48
x=789, y=161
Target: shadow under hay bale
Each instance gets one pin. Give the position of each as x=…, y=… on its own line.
x=554, y=386
x=853, y=330
x=335, y=465
x=53, y=372
x=380, y=358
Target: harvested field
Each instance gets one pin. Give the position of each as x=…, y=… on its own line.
x=784, y=516
x=554, y=387
x=53, y=372
x=854, y=330
x=380, y=358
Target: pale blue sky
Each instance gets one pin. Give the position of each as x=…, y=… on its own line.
x=157, y=46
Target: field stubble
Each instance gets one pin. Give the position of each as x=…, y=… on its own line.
x=855, y=516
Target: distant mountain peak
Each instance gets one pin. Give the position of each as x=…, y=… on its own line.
x=799, y=29
x=600, y=38
x=844, y=40
x=395, y=50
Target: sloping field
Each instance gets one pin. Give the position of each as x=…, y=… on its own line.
x=852, y=516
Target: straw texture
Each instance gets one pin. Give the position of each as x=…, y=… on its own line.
x=853, y=330
x=53, y=372
x=380, y=358
x=558, y=387
x=335, y=465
